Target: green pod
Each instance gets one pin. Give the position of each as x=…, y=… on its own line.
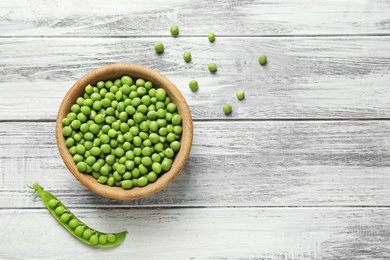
x=115, y=238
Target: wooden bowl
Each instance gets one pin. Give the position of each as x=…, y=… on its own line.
x=112, y=72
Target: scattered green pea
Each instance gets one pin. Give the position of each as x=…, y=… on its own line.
x=211, y=36
x=159, y=47
x=193, y=85
x=74, y=225
x=187, y=56
x=212, y=67
x=174, y=29
x=240, y=94
x=227, y=108
x=262, y=59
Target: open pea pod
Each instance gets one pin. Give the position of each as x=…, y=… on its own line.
x=77, y=228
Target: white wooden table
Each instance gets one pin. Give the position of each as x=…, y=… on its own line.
x=300, y=170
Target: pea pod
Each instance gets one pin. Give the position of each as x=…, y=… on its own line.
x=77, y=228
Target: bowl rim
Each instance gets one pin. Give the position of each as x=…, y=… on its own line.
x=135, y=71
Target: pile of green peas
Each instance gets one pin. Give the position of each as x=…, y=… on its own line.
x=123, y=132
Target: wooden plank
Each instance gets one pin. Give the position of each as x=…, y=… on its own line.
x=231, y=164
x=340, y=77
x=248, y=17
x=219, y=233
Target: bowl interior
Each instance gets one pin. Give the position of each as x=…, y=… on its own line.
x=112, y=72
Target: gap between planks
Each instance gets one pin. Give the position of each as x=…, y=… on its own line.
x=154, y=207
x=199, y=36
x=232, y=120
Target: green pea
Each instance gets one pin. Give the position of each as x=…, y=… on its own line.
x=153, y=126
x=108, y=84
x=65, y=217
x=262, y=59
x=117, y=176
x=177, y=129
x=129, y=165
x=96, y=97
x=146, y=161
x=59, y=210
x=212, y=67
x=166, y=164
x=90, y=160
x=82, y=166
x=121, y=168
x=176, y=119
x=161, y=94
x=102, y=239
x=169, y=152
x=87, y=233
x=156, y=157
x=137, y=141
x=211, y=36
x=187, y=56
x=94, y=239
x=126, y=175
x=102, y=179
x=67, y=131
x=135, y=173
x=79, y=231
x=174, y=29
x=105, y=148
x=75, y=108
x=72, y=150
x=75, y=124
x=175, y=146
x=193, y=85
x=104, y=170
x=138, y=117
x=146, y=100
x=142, y=181
x=73, y=223
x=158, y=147
x=88, y=145
x=89, y=89
x=95, y=151
x=142, y=109
x=127, y=184
x=159, y=47
x=127, y=80
x=53, y=203
x=227, y=108
x=111, y=181
x=111, y=238
x=66, y=122
x=152, y=177
x=160, y=104
x=156, y=167
x=110, y=159
x=100, y=84
x=78, y=158
x=240, y=94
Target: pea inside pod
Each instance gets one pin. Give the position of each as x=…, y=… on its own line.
x=77, y=228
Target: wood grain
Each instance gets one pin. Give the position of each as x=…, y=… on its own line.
x=220, y=233
x=250, y=163
x=225, y=17
x=321, y=77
